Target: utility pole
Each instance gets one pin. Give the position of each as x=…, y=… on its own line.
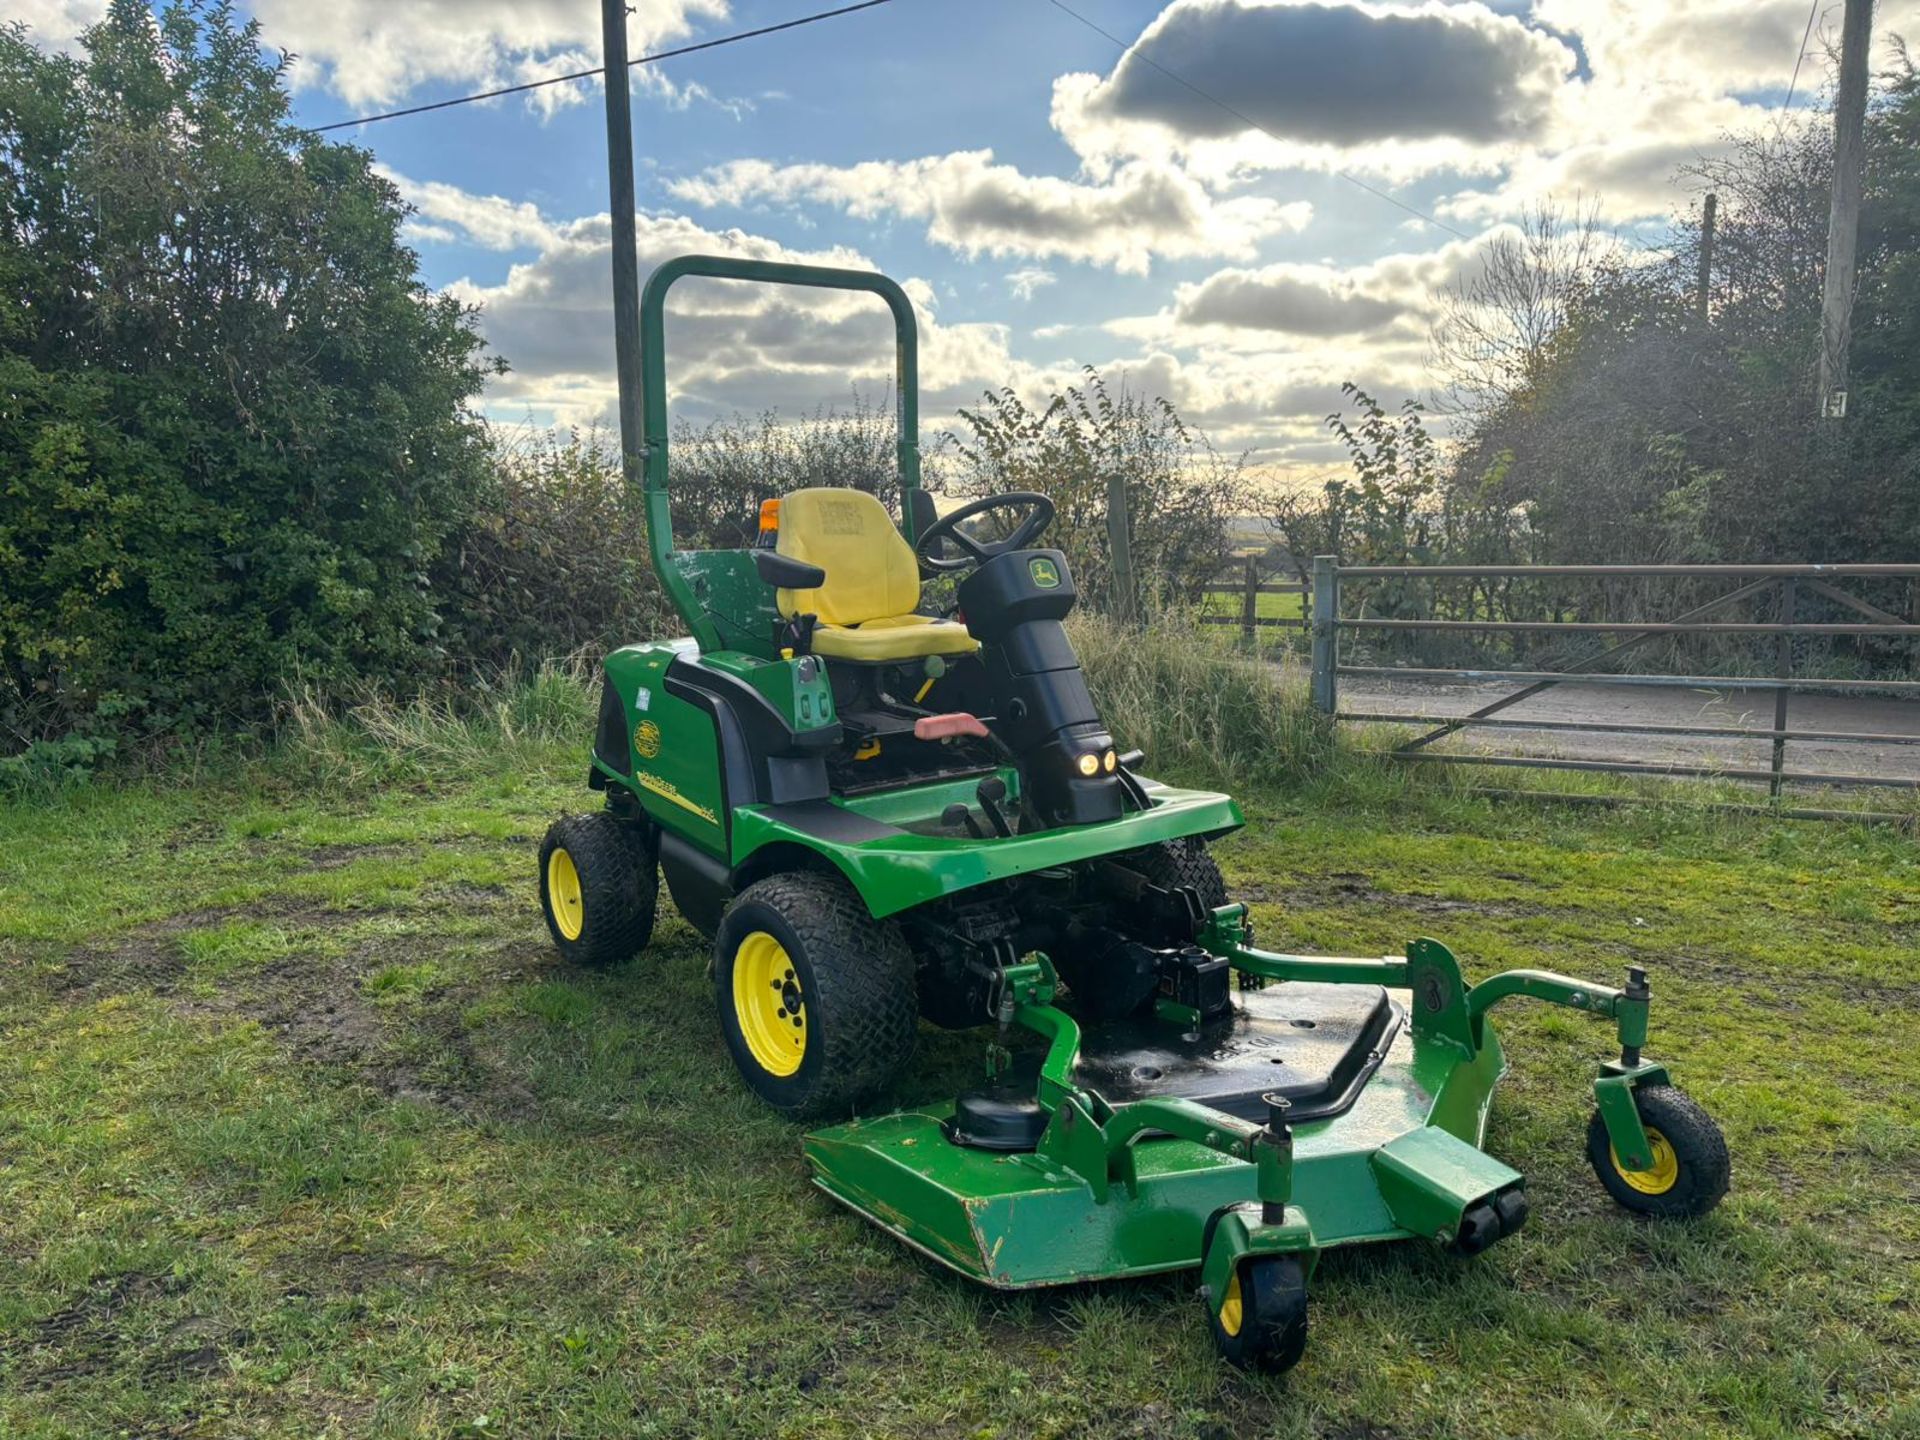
x=1843, y=223
x=1708, y=211
x=626, y=262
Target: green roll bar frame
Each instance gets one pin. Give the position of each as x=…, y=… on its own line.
x=653, y=384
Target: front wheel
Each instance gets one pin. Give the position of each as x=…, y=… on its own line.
x=1690, y=1170
x=1261, y=1322
x=816, y=997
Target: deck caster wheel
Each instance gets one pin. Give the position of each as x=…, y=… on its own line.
x=599, y=886
x=1690, y=1167
x=1261, y=1322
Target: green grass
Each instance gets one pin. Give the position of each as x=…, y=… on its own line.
x=1266, y=604
x=305, y=1131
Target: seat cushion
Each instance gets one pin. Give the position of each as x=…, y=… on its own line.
x=894, y=637
x=871, y=572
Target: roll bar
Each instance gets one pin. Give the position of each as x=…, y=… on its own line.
x=653, y=381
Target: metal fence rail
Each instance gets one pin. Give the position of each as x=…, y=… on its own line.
x=1784, y=587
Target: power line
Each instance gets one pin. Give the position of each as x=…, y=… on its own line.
x=652, y=59
x=1250, y=122
x=1812, y=10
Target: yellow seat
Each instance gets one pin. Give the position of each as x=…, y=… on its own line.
x=865, y=606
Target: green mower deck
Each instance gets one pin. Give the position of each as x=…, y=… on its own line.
x=1135, y=1187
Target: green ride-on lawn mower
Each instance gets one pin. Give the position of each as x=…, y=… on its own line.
x=881, y=815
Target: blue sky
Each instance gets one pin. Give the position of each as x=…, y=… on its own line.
x=1051, y=199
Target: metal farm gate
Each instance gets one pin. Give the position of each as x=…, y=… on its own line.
x=1781, y=593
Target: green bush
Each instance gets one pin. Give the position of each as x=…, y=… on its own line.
x=234, y=424
x=552, y=560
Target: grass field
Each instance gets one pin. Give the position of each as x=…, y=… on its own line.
x=304, y=1131
x=1266, y=604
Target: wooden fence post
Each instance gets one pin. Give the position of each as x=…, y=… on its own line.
x=1119, y=551
x=1250, y=604
x=1326, y=645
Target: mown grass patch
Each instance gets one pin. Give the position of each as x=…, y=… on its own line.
x=306, y=1132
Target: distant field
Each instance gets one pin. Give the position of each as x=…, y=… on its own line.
x=306, y=1132
x=1272, y=606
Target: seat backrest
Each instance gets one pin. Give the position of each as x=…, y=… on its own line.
x=871, y=572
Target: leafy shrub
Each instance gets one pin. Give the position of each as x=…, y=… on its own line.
x=552, y=559
x=720, y=472
x=1182, y=495
x=234, y=425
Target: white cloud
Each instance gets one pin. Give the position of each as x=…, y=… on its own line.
x=1404, y=89
x=56, y=24
x=372, y=52
x=976, y=207
x=449, y=213
x=731, y=346
x=1340, y=74
x=1028, y=281
x=1383, y=304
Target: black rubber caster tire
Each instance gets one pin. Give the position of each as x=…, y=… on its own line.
x=599, y=886
x=1691, y=1168
x=1260, y=1324
x=824, y=1016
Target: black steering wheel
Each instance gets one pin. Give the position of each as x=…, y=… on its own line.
x=974, y=553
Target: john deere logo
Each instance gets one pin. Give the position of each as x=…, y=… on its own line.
x=646, y=740
x=1045, y=573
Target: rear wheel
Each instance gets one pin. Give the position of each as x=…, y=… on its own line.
x=816, y=997
x=1690, y=1170
x=599, y=886
x=1261, y=1322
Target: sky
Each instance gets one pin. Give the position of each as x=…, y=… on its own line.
x=1201, y=210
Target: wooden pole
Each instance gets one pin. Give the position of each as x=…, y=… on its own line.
x=1250, y=602
x=1326, y=639
x=1843, y=221
x=1708, y=212
x=626, y=262
x=1120, y=549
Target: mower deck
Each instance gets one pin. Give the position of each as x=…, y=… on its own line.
x=1371, y=1082
x=1024, y=1219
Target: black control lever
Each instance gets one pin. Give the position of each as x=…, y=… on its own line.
x=991, y=792
x=956, y=815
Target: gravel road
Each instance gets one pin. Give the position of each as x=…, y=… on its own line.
x=1729, y=709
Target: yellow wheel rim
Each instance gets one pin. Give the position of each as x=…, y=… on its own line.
x=1230, y=1309
x=569, y=907
x=1664, y=1173
x=768, y=1003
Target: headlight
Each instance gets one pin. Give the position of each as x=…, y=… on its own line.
x=1089, y=764
x=1108, y=761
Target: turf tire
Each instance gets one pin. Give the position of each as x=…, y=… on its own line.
x=1174, y=863
x=617, y=864
x=856, y=977
x=1705, y=1170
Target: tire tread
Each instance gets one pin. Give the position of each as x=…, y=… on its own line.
x=619, y=881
